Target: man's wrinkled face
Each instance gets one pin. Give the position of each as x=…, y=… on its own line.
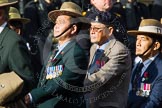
x=98, y=32
x=61, y=24
x=102, y=4
x=143, y=45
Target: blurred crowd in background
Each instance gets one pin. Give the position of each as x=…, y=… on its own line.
x=39, y=30
x=32, y=21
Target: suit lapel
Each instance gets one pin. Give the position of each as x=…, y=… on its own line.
x=56, y=61
x=107, y=49
x=63, y=52
x=3, y=34
x=152, y=70
x=93, y=50
x=103, y=57
x=70, y=45
x=110, y=45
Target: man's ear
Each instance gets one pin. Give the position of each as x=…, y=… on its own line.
x=110, y=30
x=92, y=1
x=74, y=29
x=18, y=31
x=157, y=45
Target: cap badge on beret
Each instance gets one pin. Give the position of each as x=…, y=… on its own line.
x=97, y=19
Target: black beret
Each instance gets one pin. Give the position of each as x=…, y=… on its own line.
x=103, y=18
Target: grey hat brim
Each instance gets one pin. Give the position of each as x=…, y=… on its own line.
x=8, y=4
x=22, y=20
x=54, y=14
x=136, y=32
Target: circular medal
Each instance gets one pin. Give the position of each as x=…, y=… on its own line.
x=138, y=93
x=142, y=93
x=54, y=75
x=47, y=76
x=60, y=73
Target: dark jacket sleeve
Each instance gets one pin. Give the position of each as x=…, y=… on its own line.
x=19, y=61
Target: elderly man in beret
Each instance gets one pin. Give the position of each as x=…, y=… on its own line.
x=109, y=67
x=14, y=54
x=146, y=81
x=66, y=67
x=105, y=8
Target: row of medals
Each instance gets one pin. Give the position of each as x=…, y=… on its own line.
x=54, y=71
x=144, y=90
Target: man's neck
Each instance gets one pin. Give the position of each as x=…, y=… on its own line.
x=103, y=9
x=144, y=58
x=61, y=42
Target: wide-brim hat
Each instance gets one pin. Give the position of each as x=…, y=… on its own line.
x=148, y=27
x=67, y=8
x=7, y=3
x=14, y=15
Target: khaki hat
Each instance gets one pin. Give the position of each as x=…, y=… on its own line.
x=14, y=15
x=148, y=26
x=7, y=3
x=67, y=8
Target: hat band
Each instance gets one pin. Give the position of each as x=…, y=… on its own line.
x=153, y=29
x=14, y=15
x=3, y=2
x=72, y=10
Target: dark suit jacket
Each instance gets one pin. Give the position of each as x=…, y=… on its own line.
x=154, y=100
x=56, y=92
x=108, y=85
x=14, y=56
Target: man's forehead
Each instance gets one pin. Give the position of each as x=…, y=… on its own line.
x=144, y=36
x=96, y=24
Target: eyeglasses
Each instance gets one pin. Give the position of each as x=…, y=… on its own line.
x=96, y=29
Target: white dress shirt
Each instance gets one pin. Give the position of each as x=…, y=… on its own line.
x=2, y=27
x=61, y=47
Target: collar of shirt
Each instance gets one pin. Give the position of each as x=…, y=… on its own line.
x=2, y=26
x=61, y=47
x=146, y=63
x=102, y=47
